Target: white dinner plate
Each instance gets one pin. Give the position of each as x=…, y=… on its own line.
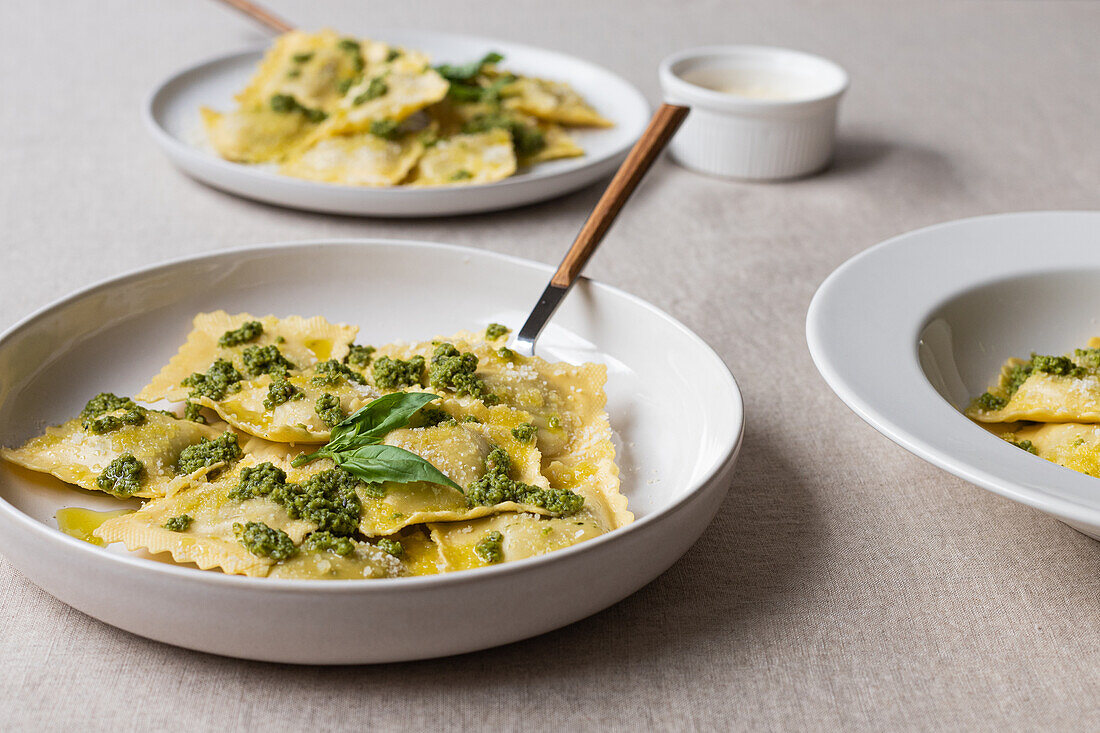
x=172, y=115
x=674, y=407
x=908, y=332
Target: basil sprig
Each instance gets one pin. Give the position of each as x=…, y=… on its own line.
x=355, y=444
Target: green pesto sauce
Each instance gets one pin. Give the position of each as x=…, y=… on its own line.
x=328, y=407
x=207, y=453
x=471, y=418
x=106, y=402
x=193, y=412
x=394, y=54
x=496, y=487
x=395, y=373
x=220, y=379
x=108, y=423
x=265, y=360
x=179, y=523
x=263, y=541
x=285, y=104
x=258, y=480
x=248, y=331
x=123, y=476
x=1088, y=358
x=351, y=46
x=991, y=402
x=293, y=73
x=1061, y=366
x=1025, y=445
x=491, y=549
x=385, y=128
x=279, y=392
x=461, y=175
x=330, y=373
x=455, y=371
x=391, y=546
x=321, y=541
x=495, y=331
x=554, y=422
x=432, y=416
x=375, y=89
x=301, y=58
x=526, y=139
x=327, y=499
x=344, y=85
x=359, y=356
x=525, y=433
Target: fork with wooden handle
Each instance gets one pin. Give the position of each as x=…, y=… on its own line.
x=666, y=120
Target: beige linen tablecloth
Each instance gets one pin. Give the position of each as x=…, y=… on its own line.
x=844, y=583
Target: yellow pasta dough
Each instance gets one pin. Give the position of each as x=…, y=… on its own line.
x=73, y=454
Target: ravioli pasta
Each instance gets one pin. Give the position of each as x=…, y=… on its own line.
x=339, y=109
x=339, y=460
x=1048, y=406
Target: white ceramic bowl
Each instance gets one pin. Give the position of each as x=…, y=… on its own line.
x=908, y=332
x=172, y=117
x=757, y=112
x=676, y=412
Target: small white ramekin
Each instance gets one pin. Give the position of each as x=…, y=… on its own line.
x=748, y=137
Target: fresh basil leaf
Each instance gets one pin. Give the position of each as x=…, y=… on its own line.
x=373, y=464
x=372, y=422
x=467, y=71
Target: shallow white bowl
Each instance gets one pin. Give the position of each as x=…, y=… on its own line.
x=788, y=132
x=676, y=412
x=908, y=332
x=172, y=117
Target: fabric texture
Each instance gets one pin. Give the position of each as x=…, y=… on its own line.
x=843, y=584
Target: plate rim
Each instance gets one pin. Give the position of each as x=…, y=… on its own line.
x=169, y=143
x=383, y=585
x=1016, y=487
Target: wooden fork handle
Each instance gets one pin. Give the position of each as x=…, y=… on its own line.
x=666, y=120
x=260, y=14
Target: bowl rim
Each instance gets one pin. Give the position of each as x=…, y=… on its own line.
x=918, y=417
x=170, y=142
x=673, y=83
x=378, y=585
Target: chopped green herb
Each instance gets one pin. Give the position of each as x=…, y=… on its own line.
x=328, y=500
x=281, y=391
x=224, y=449
x=461, y=175
x=491, y=549
x=394, y=54
x=455, y=371
x=496, y=487
x=179, y=523
x=344, y=85
x=123, y=476
x=263, y=541
x=432, y=416
x=394, y=373
x=505, y=353
x=471, y=418
x=220, y=379
x=301, y=58
x=393, y=547
x=1088, y=358
x=265, y=360
x=352, y=46
x=359, y=356
x=525, y=433
x=321, y=541
x=495, y=331
x=328, y=407
x=330, y=373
